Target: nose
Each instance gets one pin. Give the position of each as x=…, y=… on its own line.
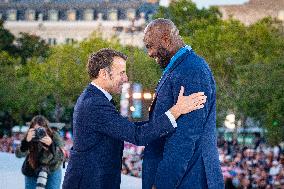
x=150, y=53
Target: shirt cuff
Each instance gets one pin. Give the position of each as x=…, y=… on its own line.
x=171, y=118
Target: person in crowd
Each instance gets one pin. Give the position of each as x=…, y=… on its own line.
x=42, y=149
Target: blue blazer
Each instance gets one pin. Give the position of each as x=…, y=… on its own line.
x=99, y=131
x=187, y=158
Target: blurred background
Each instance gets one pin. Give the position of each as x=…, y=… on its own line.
x=44, y=47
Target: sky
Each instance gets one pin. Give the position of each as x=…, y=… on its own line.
x=207, y=3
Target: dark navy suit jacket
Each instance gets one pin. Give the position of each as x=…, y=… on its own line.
x=99, y=131
x=188, y=158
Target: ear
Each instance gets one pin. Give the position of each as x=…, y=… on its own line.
x=165, y=40
x=103, y=74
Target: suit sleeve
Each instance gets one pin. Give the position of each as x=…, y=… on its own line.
x=180, y=147
x=140, y=123
x=108, y=121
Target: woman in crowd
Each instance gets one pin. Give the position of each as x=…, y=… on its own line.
x=42, y=148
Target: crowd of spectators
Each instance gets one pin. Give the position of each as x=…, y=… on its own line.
x=259, y=166
x=9, y=144
x=132, y=160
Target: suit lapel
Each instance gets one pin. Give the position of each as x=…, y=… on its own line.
x=152, y=106
x=165, y=77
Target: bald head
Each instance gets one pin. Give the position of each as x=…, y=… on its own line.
x=162, y=40
x=164, y=26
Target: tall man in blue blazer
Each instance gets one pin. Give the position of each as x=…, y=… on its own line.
x=187, y=158
x=99, y=130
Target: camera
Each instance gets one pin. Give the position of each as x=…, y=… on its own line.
x=39, y=134
x=42, y=178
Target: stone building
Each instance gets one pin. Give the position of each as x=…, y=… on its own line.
x=65, y=21
x=254, y=10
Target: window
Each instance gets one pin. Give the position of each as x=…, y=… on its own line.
x=69, y=40
x=52, y=41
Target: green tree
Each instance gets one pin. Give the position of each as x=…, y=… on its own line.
x=16, y=87
x=265, y=41
x=57, y=81
x=8, y=90
x=6, y=39
x=187, y=17
x=262, y=88
x=29, y=46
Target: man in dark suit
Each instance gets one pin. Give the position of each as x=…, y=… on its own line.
x=187, y=158
x=99, y=130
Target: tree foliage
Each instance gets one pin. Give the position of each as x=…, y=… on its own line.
x=261, y=87
x=6, y=39
x=187, y=17
x=29, y=46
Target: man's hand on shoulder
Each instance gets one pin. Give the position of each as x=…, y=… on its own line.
x=186, y=104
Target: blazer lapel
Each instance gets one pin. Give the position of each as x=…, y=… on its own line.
x=165, y=77
x=167, y=74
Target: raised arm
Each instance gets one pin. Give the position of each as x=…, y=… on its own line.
x=108, y=121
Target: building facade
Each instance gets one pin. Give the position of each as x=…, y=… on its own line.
x=254, y=10
x=65, y=21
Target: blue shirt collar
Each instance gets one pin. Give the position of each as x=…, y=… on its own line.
x=178, y=54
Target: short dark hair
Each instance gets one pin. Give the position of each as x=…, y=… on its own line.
x=102, y=59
